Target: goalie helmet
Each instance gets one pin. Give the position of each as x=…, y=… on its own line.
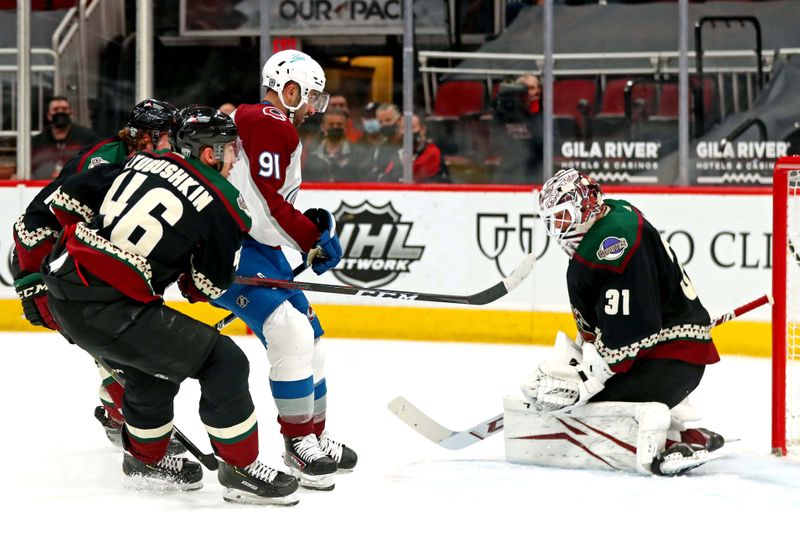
x=569, y=203
x=154, y=117
x=202, y=126
x=292, y=65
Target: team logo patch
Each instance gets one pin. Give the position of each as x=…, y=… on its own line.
x=242, y=301
x=96, y=161
x=374, y=245
x=612, y=248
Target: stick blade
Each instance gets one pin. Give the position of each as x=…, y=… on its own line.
x=519, y=274
x=437, y=433
x=418, y=421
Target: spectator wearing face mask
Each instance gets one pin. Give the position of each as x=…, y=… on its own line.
x=58, y=142
x=428, y=163
x=351, y=133
x=382, y=138
x=334, y=158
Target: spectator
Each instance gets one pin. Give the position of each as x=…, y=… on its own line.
x=227, y=108
x=516, y=137
x=58, y=142
x=428, y=164
x=351, y=133
x=334, y=158
x=382, y=139
x=531, y=81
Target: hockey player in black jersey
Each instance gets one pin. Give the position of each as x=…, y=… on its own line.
x=151, y=125
x=128, y=234
x=645, y=333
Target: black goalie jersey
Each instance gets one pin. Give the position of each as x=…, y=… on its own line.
x=631, y=296
x=160, y=216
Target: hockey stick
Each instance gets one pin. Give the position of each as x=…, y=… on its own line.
x=206, y=459
x=456, y=440
x=479, y=298
x=222, y=324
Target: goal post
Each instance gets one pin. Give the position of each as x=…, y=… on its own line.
x=786, y=311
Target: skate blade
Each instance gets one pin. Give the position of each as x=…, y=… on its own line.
x=246, y=498
x=148, y=484
x=323, y=483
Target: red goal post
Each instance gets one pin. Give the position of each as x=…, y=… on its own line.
x=786, y=311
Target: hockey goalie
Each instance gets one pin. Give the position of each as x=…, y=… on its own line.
x=617, y=399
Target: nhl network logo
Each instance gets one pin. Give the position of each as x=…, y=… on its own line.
x=374, y=250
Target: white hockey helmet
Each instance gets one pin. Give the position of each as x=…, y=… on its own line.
x=569, y=203
x=293, y=65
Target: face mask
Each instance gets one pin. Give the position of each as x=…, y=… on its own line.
x=388, y=131
x=61, y=120
x=335, y=134
x=372, y=126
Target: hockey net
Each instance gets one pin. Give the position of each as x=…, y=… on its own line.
x=786, y=311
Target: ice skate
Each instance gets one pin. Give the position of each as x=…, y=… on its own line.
x=309, y=462
x=113, y=431
x=171, y=472
x=344, y=456
x=257, y=484
x=681, y=457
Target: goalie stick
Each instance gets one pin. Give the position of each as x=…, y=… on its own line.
x=456, y=440
x=483, y=297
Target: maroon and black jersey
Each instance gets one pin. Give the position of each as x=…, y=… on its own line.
x=160, y=216
x=631, y=297
x=36, y=229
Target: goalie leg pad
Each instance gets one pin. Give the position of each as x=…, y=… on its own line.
x=622, y=436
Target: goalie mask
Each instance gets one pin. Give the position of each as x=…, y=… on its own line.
x=294, y=66
x=569, y=203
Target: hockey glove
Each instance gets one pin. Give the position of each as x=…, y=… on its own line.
x=329, y=250
x=556, y=387
x=189, y=291
x=33, y=293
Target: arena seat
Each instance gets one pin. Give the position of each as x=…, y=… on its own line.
x=458, y=98
x=574, y=100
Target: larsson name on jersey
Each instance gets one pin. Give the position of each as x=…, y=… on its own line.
x=188, y=186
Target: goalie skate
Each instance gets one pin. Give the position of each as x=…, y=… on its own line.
x=682, y=457
x=257, y=484
x=309, y=463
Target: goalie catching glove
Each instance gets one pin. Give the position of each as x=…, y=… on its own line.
x=328, y=252
x=33, y=293
x=568, y=380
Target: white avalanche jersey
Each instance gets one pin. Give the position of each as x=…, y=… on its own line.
x=267, y=173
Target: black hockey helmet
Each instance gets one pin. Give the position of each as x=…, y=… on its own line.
x=154, y=117
x=202, y=126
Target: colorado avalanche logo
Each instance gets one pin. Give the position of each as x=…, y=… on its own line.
x=612, y=248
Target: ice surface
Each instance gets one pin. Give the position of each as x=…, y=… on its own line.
x=60, y=472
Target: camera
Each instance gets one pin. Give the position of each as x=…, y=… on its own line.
x=512, y=102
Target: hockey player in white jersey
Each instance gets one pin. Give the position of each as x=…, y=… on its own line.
x=268, y=175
